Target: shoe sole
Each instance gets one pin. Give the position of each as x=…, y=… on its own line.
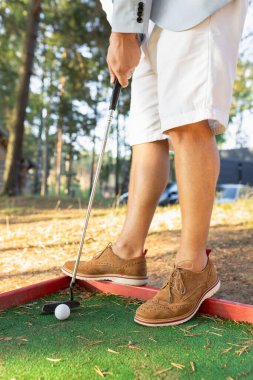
x=206, y=295
x=111, y=277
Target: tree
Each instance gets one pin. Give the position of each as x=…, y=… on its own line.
x=12, y=21
x=71, y=44
x=242, y=98
x=16, y=129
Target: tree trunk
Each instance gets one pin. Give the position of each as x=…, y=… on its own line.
x=38, y=169
x=92, y=159
x=39, y=153
x=16, y=130
x=59, y=141
x=69, y=168
x=93, y=149
x=45, y=148
x=45, y=162
x=127, y=163
x=58, y=158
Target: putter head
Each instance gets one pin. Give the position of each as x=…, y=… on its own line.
x=50, y=307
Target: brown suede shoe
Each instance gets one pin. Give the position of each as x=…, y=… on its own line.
x=108, y=266
x=180, y=297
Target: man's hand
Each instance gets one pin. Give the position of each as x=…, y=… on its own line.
x=123, y=56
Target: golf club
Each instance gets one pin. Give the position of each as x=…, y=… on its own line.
x=71, y=303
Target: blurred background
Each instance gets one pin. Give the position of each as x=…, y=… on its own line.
x=54, y=88
x=54, y=93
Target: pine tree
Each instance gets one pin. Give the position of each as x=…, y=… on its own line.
x=16, y=130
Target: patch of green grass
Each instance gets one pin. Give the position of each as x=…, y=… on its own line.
x=101, y=340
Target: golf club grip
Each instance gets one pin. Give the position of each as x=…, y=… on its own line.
x=115, y=95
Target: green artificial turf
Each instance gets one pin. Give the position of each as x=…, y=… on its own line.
x=101, y=340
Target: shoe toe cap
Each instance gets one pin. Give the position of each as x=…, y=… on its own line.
x=154, y=310
x=148, y=310
x=69, y=266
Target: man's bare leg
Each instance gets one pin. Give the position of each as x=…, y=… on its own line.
x=197, y=168
x=148, y=178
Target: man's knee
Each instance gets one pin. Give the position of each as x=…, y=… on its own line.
x=194, y=131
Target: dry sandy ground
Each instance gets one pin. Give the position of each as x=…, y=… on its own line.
x=33, y=246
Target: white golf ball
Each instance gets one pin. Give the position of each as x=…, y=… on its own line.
x=62, y=312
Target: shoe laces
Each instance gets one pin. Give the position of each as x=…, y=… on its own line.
x=175, y=282
x=101, y=252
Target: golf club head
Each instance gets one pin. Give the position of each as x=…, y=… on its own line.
x=50, y=307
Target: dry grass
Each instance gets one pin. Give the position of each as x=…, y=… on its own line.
x=35, y=241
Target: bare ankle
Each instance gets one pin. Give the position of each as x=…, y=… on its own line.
x=125, y=251
x=192, y=261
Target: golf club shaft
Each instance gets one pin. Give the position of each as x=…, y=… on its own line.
x=113, y=104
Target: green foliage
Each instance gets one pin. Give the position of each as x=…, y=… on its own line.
x=70, y=78
x=13, y=15
x=243, y=89
x=69, y=62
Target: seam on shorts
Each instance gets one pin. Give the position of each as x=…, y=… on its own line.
x=136, y=116
x=150, y=138
x=194, y=116
x=208, y=61
x=153, y=35
x=145, y=47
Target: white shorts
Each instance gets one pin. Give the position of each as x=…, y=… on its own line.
x=185, y=77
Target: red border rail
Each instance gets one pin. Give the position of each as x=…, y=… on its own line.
x=29, y=293
x=225, y=309
x=231, y=310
